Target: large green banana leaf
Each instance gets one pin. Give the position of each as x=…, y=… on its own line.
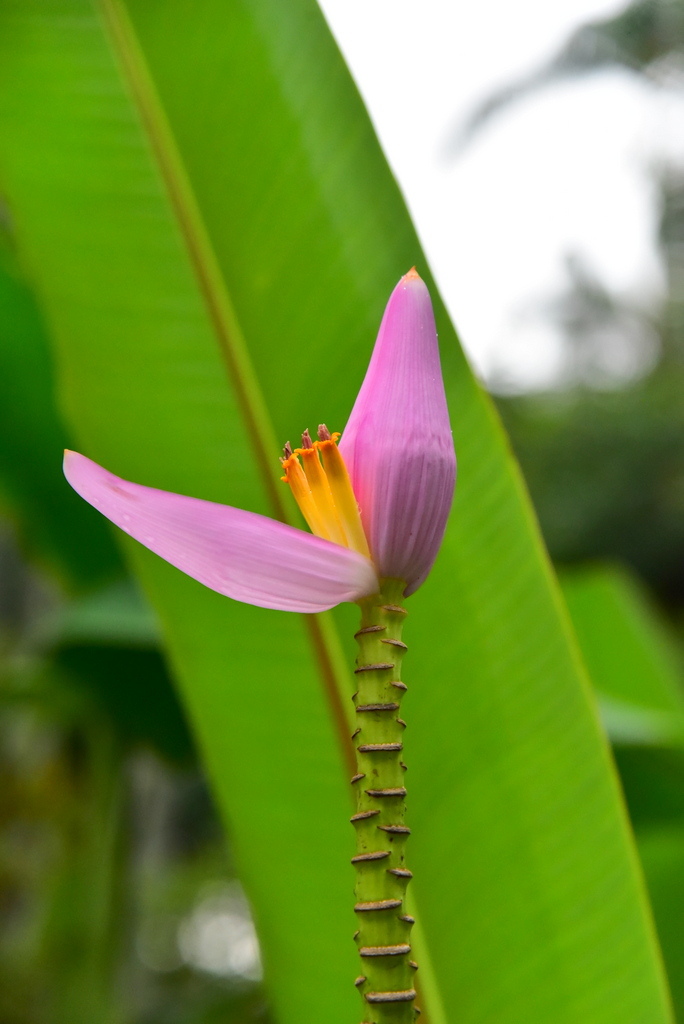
x=212, y=230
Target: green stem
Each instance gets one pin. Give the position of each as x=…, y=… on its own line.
x=386, y=982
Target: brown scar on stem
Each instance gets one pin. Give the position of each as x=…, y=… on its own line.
x=362, y=815
x=401, y=722
x=380, y=666
x=372, y=748
x=397, y=830
x=413, y=964
x=369, y=629
x=390, y=706
x=404, y=767
x=400, y=872
x=356, y=733
x=395, y=643
x=360, y=858
x=362, y=908
x=360, y=980
x=357, y=778
x=385, y=950
x=396, y=791
x=394, y=609
x=399, y=685
x=403, y=996
x=408, y=919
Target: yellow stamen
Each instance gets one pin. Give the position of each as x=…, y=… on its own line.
x=320, y=492
x=324, y=493
x=294, y=476
x=343, y=495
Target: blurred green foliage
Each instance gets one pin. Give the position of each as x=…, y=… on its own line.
x=604, y=465
x=51, y=523
x=108, y=835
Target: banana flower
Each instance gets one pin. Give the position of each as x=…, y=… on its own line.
x=377, y=505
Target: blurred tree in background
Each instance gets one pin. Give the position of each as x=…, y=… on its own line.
x=604, y=457
x=603, y=454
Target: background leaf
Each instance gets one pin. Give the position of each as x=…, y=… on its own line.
x=631, y=658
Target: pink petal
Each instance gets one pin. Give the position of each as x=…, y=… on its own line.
x=243, y=555
x=398, y=444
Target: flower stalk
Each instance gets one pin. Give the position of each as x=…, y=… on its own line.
x=383, y=938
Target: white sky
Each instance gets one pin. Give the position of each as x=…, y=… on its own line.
x=565, y=170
